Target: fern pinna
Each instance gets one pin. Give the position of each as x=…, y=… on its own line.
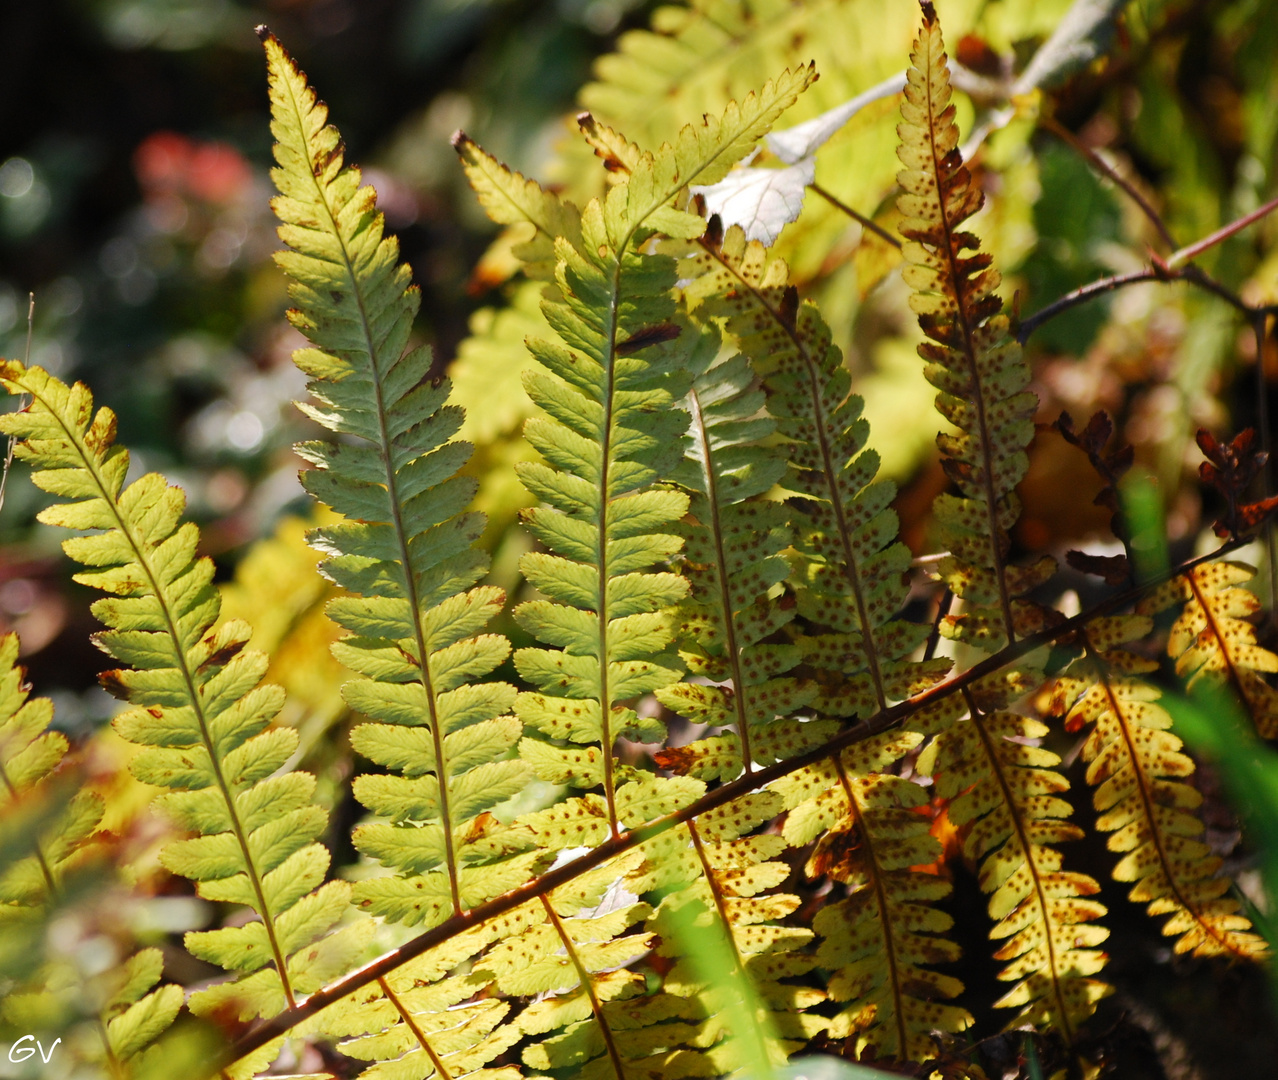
x=999, y=784
x=198, y=710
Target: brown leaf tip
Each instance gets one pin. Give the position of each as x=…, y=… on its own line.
x=929, y=12
x=263, y=32
x=460, y=141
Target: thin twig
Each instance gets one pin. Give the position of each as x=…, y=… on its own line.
x=1102, y=166
x=1082, y=295
x=615, y=845
x=866, y=223
x=1259, y=325
x=1195, y=249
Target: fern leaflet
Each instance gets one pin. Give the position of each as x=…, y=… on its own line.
x=609, y=437
x=1133, y=762
x=406, y=550
x=972, y=360
x=1004, y=795
x=197, y=706
x=881, y=939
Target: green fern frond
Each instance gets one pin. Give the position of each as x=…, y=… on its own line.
x=197, y=707
x=1005, y=798
x=881, y=940
x=972, y=359
x=134, y=1013
x=574, y=954
x=431, y=1016
x=610, y=436
x=1134, y=762
x=1213, y=643
x=406, y=551
x=513, y=200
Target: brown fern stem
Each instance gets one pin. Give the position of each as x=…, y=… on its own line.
x=605, y=1030
x=441, y=1070
x=281, y=1023
x=865, y=222
x=881, y=899
x=1148, y=808
x=1026, y=846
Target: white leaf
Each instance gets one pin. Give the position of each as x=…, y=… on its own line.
x=761, y=201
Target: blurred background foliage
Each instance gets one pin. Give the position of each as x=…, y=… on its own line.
x=134, y=145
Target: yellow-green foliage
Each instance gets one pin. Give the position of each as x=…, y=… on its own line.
x=707, y=816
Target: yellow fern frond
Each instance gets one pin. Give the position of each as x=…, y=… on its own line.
x=1135, y=763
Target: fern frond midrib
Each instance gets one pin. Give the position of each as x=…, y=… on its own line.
x=583, y=973
x=193, y=695
x=721, y=572
x=441, y=1071
x=969, y=351
x=607, y=738
x=828, y=467
x=881, y=899
x=1014, y=812
x=401, y=537
x=1148, y=807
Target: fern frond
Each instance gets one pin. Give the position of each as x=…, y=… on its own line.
x=1135, y=764
x=733, y=544
x=881, y=940
x=1004, y=795
x=1213, y=643
x=854, y=578
x=574, y=953
x=514, y=200
x=609, y=437
x=197, y=706
x=972, y=359
x=29, y=755
x=406, y=550
x=134, y=1014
